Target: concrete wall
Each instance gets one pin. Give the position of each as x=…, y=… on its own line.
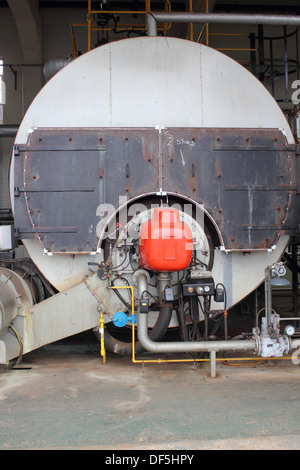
x=21, y=88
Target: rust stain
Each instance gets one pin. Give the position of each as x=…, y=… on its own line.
x=218, y=169
x=220, y=218
x=192, y=183
x=147, y=154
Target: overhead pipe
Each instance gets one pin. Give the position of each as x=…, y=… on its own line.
x=153, y=18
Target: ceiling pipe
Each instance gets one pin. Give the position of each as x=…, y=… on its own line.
x=154, y=18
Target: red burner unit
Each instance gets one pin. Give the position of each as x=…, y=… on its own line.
x=165, y=242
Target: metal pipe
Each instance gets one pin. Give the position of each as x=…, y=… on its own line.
x=289, y=319
x=268, y=296
x=141, y=278
x=191, y=24
x=226, y=325
x=227, y=18
x=206, y=26
x=102, y=345
x=153, y=18
x=151, y=25
x=8, y=130
x=89, y=22
x=163, y=281
x=188, y=346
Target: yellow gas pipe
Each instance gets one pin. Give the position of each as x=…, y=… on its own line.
x=142, y=361
x=102, y=347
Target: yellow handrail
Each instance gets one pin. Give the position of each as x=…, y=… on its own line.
x=147, y=9
x=191, y=24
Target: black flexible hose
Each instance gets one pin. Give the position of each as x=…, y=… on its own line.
x=156, y=334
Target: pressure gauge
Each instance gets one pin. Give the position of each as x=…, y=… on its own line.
x=289, y=330
x=281, y=270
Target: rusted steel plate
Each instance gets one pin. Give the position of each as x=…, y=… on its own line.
x=245, y=178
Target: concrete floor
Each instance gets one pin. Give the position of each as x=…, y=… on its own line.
x=62, y=397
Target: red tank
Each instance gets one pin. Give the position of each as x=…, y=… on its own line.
x=166, y=242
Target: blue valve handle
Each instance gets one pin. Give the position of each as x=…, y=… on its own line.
x=120, y=319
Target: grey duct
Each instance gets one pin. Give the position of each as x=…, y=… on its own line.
x=53, y=66
x=153, y=18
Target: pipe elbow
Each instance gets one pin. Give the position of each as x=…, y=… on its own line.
x=143, y=337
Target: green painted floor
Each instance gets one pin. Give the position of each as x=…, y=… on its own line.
x=63, y=397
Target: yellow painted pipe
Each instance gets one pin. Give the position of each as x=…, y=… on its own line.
x=191, y=24
x=159, y=361
x=102, y=346
x=206, y=26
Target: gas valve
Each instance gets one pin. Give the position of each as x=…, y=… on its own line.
x=269, y=341
x=120, y=319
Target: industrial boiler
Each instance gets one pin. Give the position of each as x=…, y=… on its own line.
x=153, y=184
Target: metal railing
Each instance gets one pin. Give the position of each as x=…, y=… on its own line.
x=102, y=22
x=107, y=23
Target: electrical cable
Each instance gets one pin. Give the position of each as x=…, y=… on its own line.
x=149, y=293
x=118, y=293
